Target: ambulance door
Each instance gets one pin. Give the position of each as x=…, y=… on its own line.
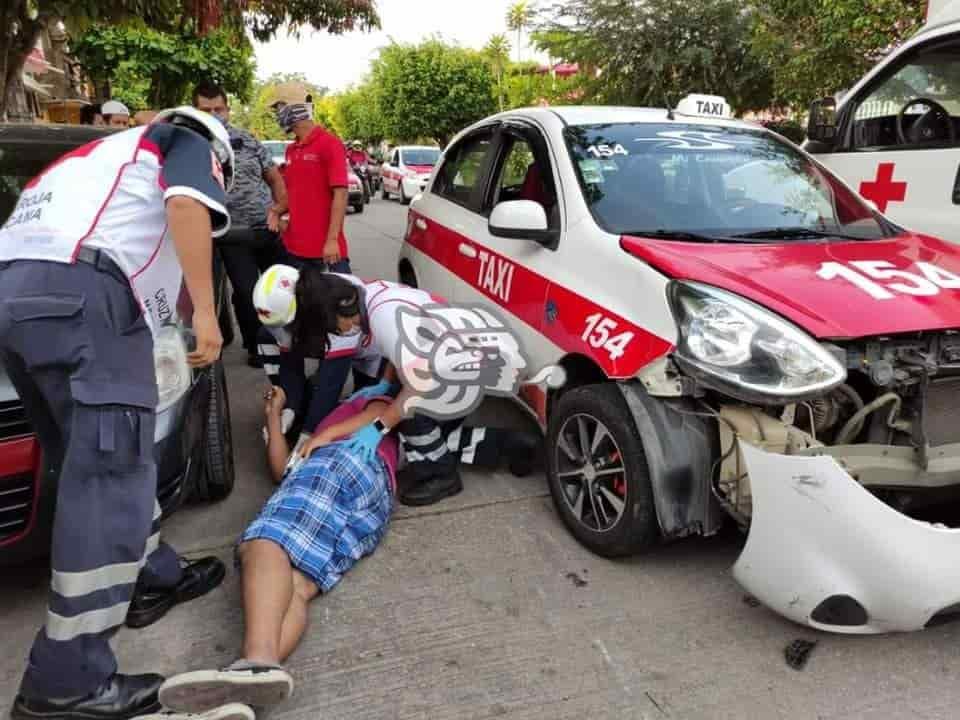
x=899, y=139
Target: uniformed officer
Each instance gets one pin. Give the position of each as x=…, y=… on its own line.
x=91, y=261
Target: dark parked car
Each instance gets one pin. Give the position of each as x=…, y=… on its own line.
x=193, y=446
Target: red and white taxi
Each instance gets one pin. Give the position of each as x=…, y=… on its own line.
x=742, y=334
x=407, y=171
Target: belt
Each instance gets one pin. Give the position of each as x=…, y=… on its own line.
x=102, y=263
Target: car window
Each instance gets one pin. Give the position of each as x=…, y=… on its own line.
x=463, y=167
x=723, y=181
x=931, y=73
x=421, y=156
x=18, y=165
x=522, y=177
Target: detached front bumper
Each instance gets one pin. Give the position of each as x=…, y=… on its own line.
x=824, y=552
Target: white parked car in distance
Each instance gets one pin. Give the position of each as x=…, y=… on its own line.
x=407, y=171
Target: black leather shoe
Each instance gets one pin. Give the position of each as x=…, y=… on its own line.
x=432, y=490
x=525, y=453
x=199, y=578
x=119, y=698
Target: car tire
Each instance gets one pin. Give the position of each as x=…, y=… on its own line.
x=404, y=200
x=613, y=514
x=358, y=208
x=219, y=472
x=383, y=192
x=407, y=275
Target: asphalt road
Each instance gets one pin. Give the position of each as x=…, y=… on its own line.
x=485, y=607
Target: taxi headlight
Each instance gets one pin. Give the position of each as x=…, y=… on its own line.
x=740, y=348
x=170, y=361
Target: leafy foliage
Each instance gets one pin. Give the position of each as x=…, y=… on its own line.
x=358, y=115
x=497, y=53
x=150, y=68
x=818, y=47
x=431, y=90
x=519, y=17
x=265, y=17
x=657, y=51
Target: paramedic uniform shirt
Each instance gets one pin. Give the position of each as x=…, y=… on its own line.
x=314, y=168
x=110, y=195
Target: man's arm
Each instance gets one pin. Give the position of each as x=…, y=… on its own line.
x=189, y=223
x=338, y=211
x=278, y=451
x=278, y=190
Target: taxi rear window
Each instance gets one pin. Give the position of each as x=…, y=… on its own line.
x=718, y=182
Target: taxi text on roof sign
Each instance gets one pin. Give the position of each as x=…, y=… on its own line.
x=704, y=106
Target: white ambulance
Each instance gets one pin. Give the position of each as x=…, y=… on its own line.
x=742, y=335
x=895, y=136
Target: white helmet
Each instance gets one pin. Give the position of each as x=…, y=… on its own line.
x=274, y=296
x=211, y=129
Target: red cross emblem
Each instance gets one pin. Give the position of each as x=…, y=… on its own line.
x=285, y=284
x=884, y=190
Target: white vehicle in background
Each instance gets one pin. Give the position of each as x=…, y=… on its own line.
x=742, y=335
x=895, y=136
x=278, y=150
x=407, y=171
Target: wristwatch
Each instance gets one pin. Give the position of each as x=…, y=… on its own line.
x=380, y=427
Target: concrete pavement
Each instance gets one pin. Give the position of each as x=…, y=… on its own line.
x=485, y=607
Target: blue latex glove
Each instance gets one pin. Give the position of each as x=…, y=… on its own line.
x=372, y=391
x=364, y=442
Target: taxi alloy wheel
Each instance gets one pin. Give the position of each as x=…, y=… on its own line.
x=598, y=473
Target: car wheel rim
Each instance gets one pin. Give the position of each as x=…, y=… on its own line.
x=590, y=472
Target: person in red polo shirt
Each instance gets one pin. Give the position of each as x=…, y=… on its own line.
x=316, y=178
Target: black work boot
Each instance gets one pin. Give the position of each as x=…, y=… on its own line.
x=121, y=697
x=433, y=489
x=199, y=577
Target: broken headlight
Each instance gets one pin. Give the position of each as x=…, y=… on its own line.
x=738, y=347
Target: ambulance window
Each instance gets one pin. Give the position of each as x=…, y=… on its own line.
x=523, y=177
x=462, y=169
x=932, y=73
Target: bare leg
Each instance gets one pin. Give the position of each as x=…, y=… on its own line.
x=268, y=590
x=295, y=621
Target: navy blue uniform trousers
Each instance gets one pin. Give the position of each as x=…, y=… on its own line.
x=81, y=356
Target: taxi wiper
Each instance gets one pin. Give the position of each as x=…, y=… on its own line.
x=783, y=233
x=677, y=235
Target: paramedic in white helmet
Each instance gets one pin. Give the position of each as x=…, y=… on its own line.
x=308, y=400
x=91, y=263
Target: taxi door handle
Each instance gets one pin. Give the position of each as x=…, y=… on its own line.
x=469, y=250
x=420, y=223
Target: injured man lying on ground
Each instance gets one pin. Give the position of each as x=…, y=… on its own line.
x=331, y=509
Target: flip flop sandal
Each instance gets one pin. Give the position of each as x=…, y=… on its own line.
x=233, y=711
x=242, y=682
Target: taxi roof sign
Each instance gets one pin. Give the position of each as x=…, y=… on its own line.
x=711, y=106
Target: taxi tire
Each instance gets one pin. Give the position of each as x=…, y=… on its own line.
x=358, y=207
x=637, y=528
x=383, y=191
x=404, y=200
x=219, y=471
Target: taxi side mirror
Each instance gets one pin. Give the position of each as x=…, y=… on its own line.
x=822, y=123
x=521, y=220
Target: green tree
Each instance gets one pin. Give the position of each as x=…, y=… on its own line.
x=431, y=90
x=519, y=17
x=359, y=116
x=149, y=68
x=22, y=21
x=497, y=52
x=818, y=47
x=657, y=51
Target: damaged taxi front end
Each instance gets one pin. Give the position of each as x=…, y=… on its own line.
x=840, y=458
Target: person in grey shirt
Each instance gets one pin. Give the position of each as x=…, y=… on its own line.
x=258, y=195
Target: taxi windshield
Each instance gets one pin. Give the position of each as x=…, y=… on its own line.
x=421, y=156
x=700, y=182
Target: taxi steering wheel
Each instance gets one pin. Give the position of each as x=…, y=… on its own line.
x=923, y=129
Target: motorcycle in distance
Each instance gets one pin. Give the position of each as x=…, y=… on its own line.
x=364, y=175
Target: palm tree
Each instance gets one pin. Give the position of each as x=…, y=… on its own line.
x=518, y=19
x=497, y=51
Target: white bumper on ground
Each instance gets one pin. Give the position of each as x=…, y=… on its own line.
x=820, y=545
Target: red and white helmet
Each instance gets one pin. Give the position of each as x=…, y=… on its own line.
x=274, y=296
x=207, y=126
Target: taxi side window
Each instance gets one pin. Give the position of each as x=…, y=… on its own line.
x=521, y=176
x=932, y=73
x=462, y=169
